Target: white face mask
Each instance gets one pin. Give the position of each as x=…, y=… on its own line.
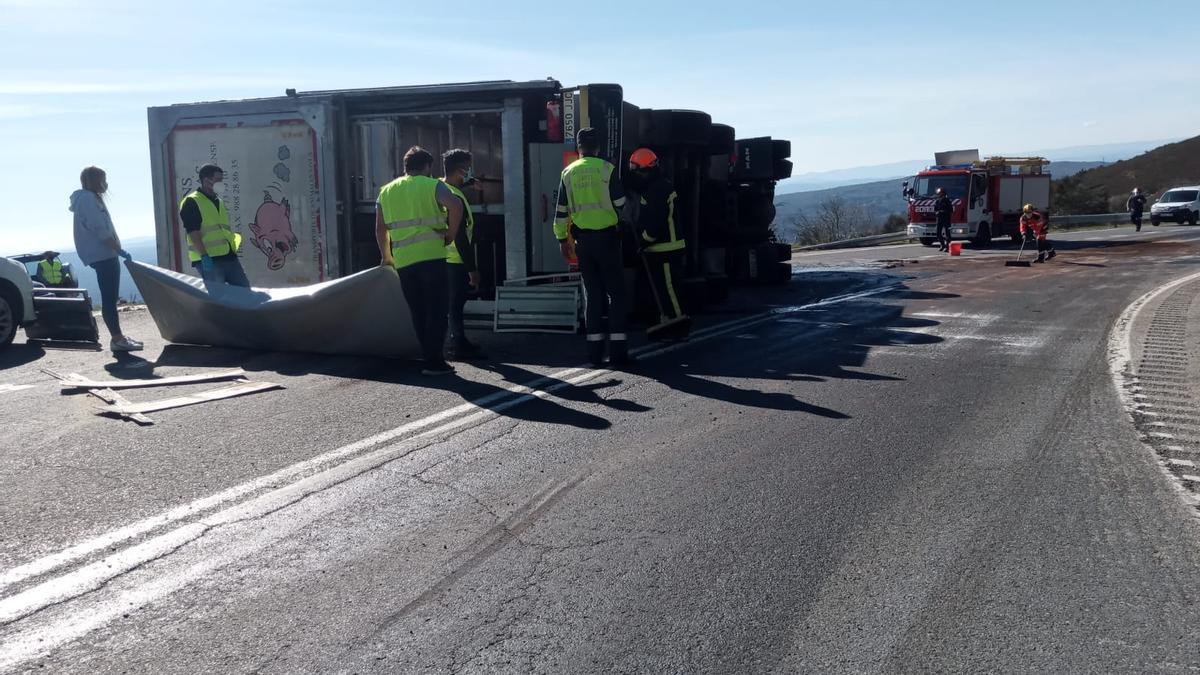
x=219, y=189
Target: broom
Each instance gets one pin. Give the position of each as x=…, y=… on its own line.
x=1018, y=262
x=671, y=329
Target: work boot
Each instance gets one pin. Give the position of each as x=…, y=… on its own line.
x=1051, y=254
x=1041, y=258
x=595, y=353
x=438, y=368
x=618, y=353
x=464, y=351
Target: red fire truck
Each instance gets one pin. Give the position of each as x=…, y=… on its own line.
x=988, y=195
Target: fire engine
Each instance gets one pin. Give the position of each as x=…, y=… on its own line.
x=988, y=195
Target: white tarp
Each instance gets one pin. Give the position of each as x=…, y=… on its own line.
x=363, y=314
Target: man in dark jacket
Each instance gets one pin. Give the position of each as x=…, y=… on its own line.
x=661, y=242
x=1136, y=205
x=943, y=209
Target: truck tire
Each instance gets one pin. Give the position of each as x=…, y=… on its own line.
x=783, y=169
x=781, y=149
x=679, y=127
x=720, y=139
x=1154, y=222
x=983, y=237
x=10, y=314
x=1015, y=238
x=926, y=241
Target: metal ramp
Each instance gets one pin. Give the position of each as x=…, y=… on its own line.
x=552, y=307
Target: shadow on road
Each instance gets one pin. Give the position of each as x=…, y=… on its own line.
x=20, y=354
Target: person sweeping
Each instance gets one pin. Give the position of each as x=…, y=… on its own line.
x=1034, y=227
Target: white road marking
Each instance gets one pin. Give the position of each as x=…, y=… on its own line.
x=290, y=485
x=9, y=388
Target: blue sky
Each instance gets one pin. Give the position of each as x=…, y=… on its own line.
x=850, y=83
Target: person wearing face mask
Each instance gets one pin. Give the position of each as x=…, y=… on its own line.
x=212, y=245
x=660, y=242
x=460, y=255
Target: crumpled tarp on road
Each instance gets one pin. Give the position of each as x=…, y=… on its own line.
x=364, y=314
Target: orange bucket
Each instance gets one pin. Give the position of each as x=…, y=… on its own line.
x=956, y=248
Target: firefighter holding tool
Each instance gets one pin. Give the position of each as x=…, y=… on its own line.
x=589, y=196
x=660, y=243
x=1034, y=226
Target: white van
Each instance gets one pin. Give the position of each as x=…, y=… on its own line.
x=1181, y=204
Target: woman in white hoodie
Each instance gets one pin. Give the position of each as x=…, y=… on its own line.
x=98, y=246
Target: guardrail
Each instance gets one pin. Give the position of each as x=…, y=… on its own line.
x=859, y=241
x=1092, y=218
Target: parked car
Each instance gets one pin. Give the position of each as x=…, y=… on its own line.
x=1181, y=205
x=64, y=314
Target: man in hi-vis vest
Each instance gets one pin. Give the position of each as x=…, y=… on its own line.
x=212, y=245
x=589, y=195
x=416, y=217
x=461, y=270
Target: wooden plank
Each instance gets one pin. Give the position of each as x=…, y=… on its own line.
x=240, y=389
x=113, y=398
x=83, y=383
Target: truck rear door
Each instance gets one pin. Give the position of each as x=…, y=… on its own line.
x=277, y=155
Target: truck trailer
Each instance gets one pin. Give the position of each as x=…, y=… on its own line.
x=988, y=195
x=303, y=172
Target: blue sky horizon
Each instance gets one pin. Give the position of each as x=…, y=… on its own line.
x=850, y=84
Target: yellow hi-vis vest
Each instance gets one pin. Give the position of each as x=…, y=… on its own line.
x=416, y=222
x=51, y=271
x=674, y=242
x=589, y=204
x=452, y=254
x=218, y=239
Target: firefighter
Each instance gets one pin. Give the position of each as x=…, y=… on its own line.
x=1034, y=226
x=212, y=245
x=460, y=255
x=416, y=217
x=588, y=198
x=660, y=243
x=51, y=272
x=1136, y=205
x=943, y=209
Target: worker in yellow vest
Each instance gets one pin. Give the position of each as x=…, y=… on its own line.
x=416, y=217
x=212, y=245
x=51, y=272
x=461, y=271
x=589, y=195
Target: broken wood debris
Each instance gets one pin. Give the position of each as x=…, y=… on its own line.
x=240, y=389
x=75, y=381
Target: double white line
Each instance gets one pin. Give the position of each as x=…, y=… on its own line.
x=278, y=490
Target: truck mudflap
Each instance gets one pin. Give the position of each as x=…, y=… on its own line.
x=63, y=315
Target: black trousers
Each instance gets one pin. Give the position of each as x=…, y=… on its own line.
x=456, y=276
x=943, y=234
x=663, y=269
x=1044, y=245
x=599, y=253
x=424, y=285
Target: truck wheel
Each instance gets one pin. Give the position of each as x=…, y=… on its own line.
x=680, y=127
x=720, y=139
x=782, y=169
x=1154, y=222
x=926, y=241
x=1015, y=238
x=781, y=149
x=983, y=237
x=10, y=315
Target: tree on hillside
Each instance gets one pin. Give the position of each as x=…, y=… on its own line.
x=833, y=220
x=1071, y=196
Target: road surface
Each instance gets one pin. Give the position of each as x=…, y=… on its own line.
x=899, y=462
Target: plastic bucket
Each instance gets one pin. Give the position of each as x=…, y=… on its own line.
x=956, y=248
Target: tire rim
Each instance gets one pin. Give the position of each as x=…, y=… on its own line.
x=6, y=319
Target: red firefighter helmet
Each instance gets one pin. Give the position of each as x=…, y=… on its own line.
x=643, y=158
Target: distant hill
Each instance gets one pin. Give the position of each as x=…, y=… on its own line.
x=1154, y=172
x=879, y=198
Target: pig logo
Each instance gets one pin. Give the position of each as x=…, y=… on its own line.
x=272, y=228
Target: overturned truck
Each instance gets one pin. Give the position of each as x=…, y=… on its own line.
x=303, y=171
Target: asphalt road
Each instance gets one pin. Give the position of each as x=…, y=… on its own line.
x=900, y=462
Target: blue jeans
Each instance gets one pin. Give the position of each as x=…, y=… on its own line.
x=227, y=269
x=108, y=277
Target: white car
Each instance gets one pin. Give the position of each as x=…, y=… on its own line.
x=16, y=299
x=1181, y=204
